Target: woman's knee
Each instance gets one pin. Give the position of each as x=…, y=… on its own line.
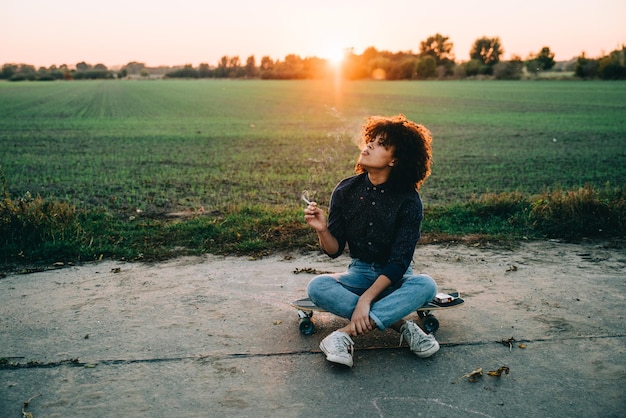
x=319, y=285
x=430, y=285
x=426, y=283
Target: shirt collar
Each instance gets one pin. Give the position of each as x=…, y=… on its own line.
x=379, y=188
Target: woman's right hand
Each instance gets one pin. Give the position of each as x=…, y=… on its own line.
x=315, y=217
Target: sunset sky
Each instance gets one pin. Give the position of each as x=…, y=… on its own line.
x=156, y=32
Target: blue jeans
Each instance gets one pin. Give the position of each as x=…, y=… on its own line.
x=339, y=293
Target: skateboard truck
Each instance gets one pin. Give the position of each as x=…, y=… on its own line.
x=305, y=325
x=428, y=321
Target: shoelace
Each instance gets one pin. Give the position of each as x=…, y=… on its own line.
x=344, y=341
x=412, y=332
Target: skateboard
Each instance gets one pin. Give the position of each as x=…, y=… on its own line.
x=426, y=318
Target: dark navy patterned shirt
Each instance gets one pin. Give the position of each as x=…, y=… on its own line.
x=379, y=223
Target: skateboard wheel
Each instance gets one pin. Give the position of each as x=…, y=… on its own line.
x=431, y=324
x=306, y=326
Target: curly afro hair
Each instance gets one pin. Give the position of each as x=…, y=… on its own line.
x=412, y=149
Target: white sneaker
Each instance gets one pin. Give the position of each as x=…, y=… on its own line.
x=422, y=344
x=338, y=348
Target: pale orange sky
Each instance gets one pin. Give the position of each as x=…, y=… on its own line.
x=115, y=32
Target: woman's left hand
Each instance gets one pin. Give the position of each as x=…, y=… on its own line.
x=361, y=322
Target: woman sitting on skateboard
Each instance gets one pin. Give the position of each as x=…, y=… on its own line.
x=378, y=213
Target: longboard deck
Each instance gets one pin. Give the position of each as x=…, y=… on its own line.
x=427, y=320
x=306, y=304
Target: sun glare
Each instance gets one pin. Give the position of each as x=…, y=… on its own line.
x=335, y=56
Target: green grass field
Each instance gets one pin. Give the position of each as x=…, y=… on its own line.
x=162, y=147
x=171, y=145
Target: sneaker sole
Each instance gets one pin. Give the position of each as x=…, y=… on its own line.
x=339, y=360
x=336, y=359
x=427, y=353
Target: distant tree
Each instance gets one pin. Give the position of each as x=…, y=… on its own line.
x=586, y=68
x=267, y=63
x=370, y=53
x=293, y=67
x=358, y=67
x=250, y=68
x=426, y=67
x=82, y=66
x=20, y=72
x=487, y=51
x=234, y=67
x=8, y=70
x=542, y=61
x=186, y=72
x=267, y=67
x=100, y=67
x=204, y=71
x=613, y=66
x=403, y=68
x=27, y=69
x=473, y=68
x=55, y=73
x=438, y=47
x=134, y=67
x=43, y=74
x=379, y=67
x=92, y=74
x=509, y=70
x=222, y=67
x=545, y=58
x=314, y=68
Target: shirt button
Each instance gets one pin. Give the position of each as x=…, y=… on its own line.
x=374, y=188
x=373, y=203
x=369, y=243
x=371, y=223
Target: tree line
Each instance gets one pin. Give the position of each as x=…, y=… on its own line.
x=435, y=60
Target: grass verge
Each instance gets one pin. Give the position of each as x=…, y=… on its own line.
x=37, y=231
